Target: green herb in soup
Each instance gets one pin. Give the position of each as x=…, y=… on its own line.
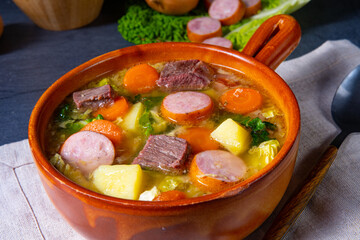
x=165, y=131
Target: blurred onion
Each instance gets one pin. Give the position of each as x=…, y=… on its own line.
x=172, y=7
x=1, y=26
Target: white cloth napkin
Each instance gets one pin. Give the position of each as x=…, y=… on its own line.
x=333, y=212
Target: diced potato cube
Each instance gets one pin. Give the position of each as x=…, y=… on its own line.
x=122, y=181
x=232, y=136
x=131, y=119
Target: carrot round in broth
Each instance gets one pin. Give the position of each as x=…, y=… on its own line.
x=107, y=128
x=199, y=139
x=118, y=109
x=141, y=79
x=241, y=100
x=186, y=108
x=170, y=196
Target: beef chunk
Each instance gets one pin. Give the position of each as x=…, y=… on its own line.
x=185, y=75
x=164, y=154
x=94, y=97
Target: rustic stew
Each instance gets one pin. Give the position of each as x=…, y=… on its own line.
x=165, y=131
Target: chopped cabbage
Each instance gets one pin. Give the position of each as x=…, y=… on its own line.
x=149, y=195
x=269, y=112
x=159, y=125
x=73, y=174
x=170, y=183
x=180, y=183
x=112, y=82
x=263, y=154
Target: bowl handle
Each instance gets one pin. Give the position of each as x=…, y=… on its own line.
x=274, y=40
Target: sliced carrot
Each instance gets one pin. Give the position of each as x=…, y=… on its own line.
x=170, y=196
x=199, y=139
x=141, y=79
x=107, y=128
x=118, y=109
x=187, y=108
x=241, y=100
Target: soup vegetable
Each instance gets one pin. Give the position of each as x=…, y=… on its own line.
x=165, y=131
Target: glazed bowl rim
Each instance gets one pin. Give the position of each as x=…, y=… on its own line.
x=52, y=174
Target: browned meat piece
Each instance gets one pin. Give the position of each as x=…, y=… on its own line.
x=185, y=75
x=94, y=97
x=164, y=154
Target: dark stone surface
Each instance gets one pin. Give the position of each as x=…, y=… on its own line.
x=31, y=58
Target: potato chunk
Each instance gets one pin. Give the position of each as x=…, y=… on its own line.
x=122, y=181
x=232, y=136
x=131, y=119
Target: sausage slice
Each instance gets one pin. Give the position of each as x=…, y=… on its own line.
x=187, y=107
x=202, y=28
x=87, y=150
x=214, y=170
x=219, y=41
x=252, y=7
x=228, y=12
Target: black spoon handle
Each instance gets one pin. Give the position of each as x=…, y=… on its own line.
x=298, y=201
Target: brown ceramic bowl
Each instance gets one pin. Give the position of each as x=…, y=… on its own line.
x=229, y=214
